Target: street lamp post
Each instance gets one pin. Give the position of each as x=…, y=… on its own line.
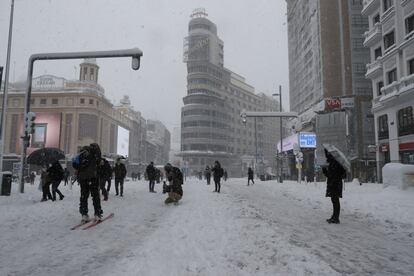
x=135, y=53
x=280, y=154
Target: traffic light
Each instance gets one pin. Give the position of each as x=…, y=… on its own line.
x=29, y=123
x=243, y=116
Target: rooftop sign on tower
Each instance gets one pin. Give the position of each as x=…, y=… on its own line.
x=199, y=13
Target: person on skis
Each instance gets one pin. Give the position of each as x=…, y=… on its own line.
x=85, y=165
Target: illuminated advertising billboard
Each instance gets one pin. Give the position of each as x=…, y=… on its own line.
x=307, y=140
x=123, y=142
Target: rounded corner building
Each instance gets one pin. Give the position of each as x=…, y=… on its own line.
x=211, y=128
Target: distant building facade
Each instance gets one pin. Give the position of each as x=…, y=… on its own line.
x=328, y=88
x=390, y=40
x=211, y=128
x=74, y=113
x=160, y=137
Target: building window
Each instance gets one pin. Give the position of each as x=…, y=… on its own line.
x=409, y=24
x=32, y=101
x=379, y=86
x=43, y=101
x=358, y=43
x=359, y=68
x=90, y=101
x=54, y=101
x=92, y=74
x=376, y=18
x=392, y=76
x=383, y=127
x=405, y=121
x=387, y=4
x=359, y=21
x=411, y=66
x=82, y=101
x=389, y=40
x=378, y=52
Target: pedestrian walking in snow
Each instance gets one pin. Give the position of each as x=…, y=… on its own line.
x=175, y=178
x=85, y=164
x=334, y=173
x=104, y=175
x=218, y=173
x=55, y=173
x=207, y=174
x=151, y=174
x=45, y=183
x=120, y=174
x=250, y=176
x=66, y=175
x=225, y=175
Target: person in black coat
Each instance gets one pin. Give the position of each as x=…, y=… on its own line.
x=104, y=175
x=250, y=176
x=218, y=173
x=85, y=165
x=334, y=173
x=151, y=174
x=120, y=174
x=207, y=174
x=56, y=174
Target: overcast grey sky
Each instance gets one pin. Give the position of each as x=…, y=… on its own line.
x=254, y=34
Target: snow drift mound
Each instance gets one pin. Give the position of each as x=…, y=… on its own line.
x=400, y=175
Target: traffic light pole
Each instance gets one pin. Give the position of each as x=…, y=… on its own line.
x=135, y=53
x=269, y=114
x=6, y=84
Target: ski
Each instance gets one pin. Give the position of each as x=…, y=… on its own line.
x=79, y=225
x=98, y=221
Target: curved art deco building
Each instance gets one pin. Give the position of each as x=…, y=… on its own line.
x=211, y=128
x=205, y=117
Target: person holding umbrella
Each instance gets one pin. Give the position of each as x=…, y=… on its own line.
x=335, y=172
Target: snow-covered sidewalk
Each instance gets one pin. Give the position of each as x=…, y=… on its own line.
x=265, y=229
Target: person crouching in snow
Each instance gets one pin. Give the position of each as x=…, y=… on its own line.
x=174, y=189
x=334, y=173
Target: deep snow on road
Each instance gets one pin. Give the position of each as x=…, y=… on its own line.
x=264, y=229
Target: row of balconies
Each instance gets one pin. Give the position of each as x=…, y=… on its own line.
x=372, y=36
x=375, y=68
x=395, y=89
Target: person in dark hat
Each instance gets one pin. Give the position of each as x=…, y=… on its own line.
x=334, y=174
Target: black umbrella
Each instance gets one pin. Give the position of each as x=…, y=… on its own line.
x=45, y=156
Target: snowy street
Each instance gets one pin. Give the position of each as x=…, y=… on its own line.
x=264, y=229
